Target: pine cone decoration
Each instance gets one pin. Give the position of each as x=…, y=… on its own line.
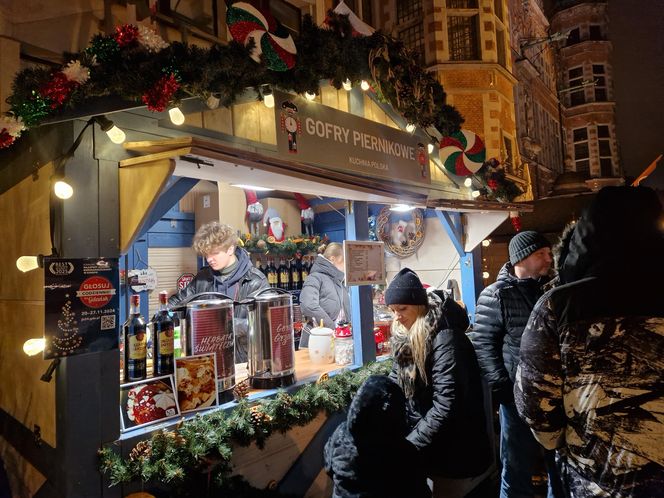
x=241, y=390
x=286, y=400
x=142, y=451
x=174, y=437
x=259, y=417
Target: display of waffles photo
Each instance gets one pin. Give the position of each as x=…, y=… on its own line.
x=196, y=382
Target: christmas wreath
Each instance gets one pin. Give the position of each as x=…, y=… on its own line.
x=496, y=185
x=195, y=458
x=135, y=64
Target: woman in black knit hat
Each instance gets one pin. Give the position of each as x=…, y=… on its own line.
x=435, y=365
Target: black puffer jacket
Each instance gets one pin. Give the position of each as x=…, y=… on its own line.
x=501, y=315
x=591, y=378
x=244, y=281
x=356, y=454
x=446, y=412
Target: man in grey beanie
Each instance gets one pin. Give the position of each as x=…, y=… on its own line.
x=502, y=312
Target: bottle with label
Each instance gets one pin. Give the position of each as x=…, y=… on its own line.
x=284, y=275
x=261, y=267
x=163, y=338
x=304, y=273
x=272, y=276
x=135, y=343
x=296, y=273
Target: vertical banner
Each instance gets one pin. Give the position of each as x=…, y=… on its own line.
x=81, y=306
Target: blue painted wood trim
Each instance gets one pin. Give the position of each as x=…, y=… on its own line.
x=357, y=228
x=308, y=465
x=454, y=230
x=172, y=225
x=471, y=280
x=175, y=189
x=170, y=239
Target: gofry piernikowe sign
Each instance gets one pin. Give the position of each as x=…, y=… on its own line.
x=317, y=134
x=81, y=305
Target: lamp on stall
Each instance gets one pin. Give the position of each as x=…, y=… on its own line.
x=430, y=148
x=177, y=118
x=401, y=208
x=32, y=347
x=252, y=187
x=410, y=127
x=309, y=96
x=61, y=188
x=116, y=135
x=364, y=85
x=29, y=263
x=475, y=194
x=347, y=85
x=486, y=242
x=468, y=182
x=268, y=97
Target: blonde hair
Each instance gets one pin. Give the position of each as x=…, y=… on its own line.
x=333, y=249
x=418, y=338
x=212, y=236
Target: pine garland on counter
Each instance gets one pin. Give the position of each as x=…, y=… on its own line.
x=195, y=457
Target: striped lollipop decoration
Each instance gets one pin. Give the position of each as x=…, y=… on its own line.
x=271, y=39
x=462, y=153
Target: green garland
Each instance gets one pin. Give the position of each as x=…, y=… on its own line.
x=195, y=458
x=226, y=71
x=265, y=244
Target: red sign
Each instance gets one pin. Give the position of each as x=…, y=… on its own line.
x=95, y=292
x=184, y=280
x=281, y=338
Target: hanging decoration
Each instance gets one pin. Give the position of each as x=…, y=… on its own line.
x=462, y=153
x=195, y=458
x=402, y=232
x=159, y=96
x=258, y=28
x=306, y=214
x=515, y=219
x=10, y=130
x=264, y=244
x=254, y=212
x=497, y=186
x=276, y=231
x=360, y=28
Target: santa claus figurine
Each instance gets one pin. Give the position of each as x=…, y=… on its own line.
x=277, y=228
x=254, y=212
x=306, y=214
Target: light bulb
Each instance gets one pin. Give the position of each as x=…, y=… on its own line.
x=486, y=243
x=310, y=96
x=268, y=100
x=430, y=148
x=365, y=85
x=410, y=127
x=116, y=135
x=475, y=194
x=212, y=102
x=468, y=182
x=177, y=118
x=32, y=347
x=62, y=189
x=485, y=274
x=27, y=263
x=347, y=85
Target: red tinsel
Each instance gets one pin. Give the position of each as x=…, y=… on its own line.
x=126, y=35
x=492, y=184
x=5, y=139
x=57, y=90
x=516, y=223
x=158, y=97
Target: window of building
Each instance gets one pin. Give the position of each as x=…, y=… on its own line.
x=201, y=14
x=500, y=47
x=407, y=10
x=599, y=76
x=575, y=85
x=574, y=37
x=498, y=9
x=581, y=150
x=604, y=147
x=461, y=4
x=413, y=38
x=595, y=32
x=463, y=38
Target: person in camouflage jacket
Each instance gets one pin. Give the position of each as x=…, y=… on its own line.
x=590, y=381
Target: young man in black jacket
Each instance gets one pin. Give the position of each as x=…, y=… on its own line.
x=502, y=312
x=230, y=272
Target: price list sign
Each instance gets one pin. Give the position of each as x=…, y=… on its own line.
x=364, y=262
x=81, y=306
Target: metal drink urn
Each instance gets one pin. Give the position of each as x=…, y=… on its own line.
x=208, y=328
x=271, y=339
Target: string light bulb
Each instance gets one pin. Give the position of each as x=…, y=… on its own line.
x=468, y=182
x=115, y=134
x=475, y=194
x=486, y=243
x=62, y=189
x=364, y=85
x=309, y=96
x=177, y=118
x=32, y=347
x=410, y=127
x=347, y=85
x=485, y=274
x=268, y=98
x=28, y=263
x=430, y=148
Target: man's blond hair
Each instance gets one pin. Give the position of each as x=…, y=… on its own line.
x=214, y=236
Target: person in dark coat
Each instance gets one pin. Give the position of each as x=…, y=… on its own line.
x=501, y=315
x=590, y=378
x=324, y=296
x=230, y=272
x=436, y=366
x=358, y=454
